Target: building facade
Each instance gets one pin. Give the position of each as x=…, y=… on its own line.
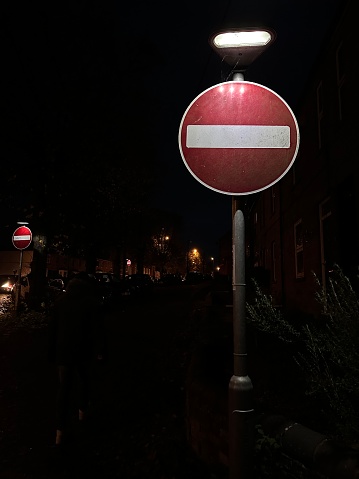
x=309, y=220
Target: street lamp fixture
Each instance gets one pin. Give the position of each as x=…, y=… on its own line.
x=239, y=48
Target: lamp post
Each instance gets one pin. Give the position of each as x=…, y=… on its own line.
x=239, y=48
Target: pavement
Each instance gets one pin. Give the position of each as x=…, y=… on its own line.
x=137, y=425
x=136, y=428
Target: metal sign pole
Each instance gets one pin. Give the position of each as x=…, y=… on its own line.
x=18, y=285
x=241, y=412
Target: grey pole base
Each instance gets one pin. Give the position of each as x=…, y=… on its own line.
x=241, y=428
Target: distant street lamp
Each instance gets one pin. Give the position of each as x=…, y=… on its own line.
x=195, y=260
x=162, y=241
x=240, y=48
x=212, y=268
x=161, y=245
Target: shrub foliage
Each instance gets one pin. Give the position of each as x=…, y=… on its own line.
x=325, y=348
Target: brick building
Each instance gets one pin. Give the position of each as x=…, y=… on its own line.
x=309, y=220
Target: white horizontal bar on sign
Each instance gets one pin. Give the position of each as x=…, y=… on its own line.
x=22, y=238
x=237, y=136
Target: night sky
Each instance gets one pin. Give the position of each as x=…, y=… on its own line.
x=160, y=53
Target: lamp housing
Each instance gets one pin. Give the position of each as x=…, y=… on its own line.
x=239, y=48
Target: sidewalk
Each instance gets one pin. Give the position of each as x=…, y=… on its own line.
x=137, y=429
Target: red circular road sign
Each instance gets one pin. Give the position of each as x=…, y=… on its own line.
x=238, y=138
x=22, y=237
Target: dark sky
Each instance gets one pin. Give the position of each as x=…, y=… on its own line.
x=192, y=67
x=187, y=66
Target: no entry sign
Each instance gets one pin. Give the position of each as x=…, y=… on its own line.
x=238, y=138
x=22, y=237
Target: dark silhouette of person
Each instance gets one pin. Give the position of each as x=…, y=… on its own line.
x=76, y=339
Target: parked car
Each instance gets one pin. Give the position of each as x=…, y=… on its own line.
x=194, y=277
x=111, y=288
x=139, y=284
x=57, y=283
x=7, y=283
x=55, y=287
x=24, y=287
x=170, y=279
